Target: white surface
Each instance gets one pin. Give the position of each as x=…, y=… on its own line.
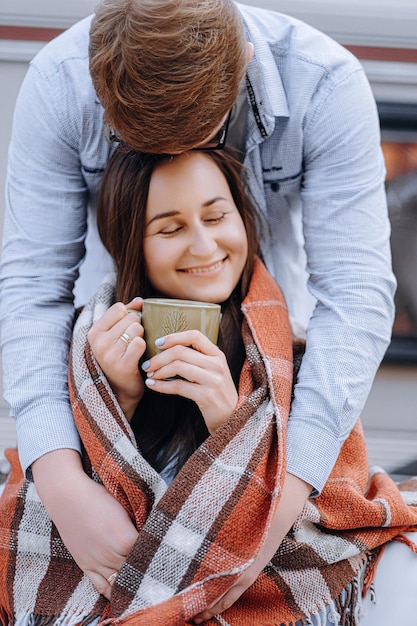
x=360, y=22
x=390, y=417
x=357, y=22
x=44, y=13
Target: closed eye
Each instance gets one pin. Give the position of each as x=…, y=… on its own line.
x=215, y=219
x=171, y=230
x=211, y=221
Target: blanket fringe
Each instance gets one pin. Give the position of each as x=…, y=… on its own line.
x=345, y=610
x=373, y=558
x=4, y=617
x=76, y=619
x=408, y=542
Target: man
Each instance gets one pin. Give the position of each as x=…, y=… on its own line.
x=168, y=76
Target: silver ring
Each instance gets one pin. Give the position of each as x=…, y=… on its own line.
x=126, y=338
x=112, y=578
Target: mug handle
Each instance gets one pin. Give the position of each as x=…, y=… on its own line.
x=138, y=313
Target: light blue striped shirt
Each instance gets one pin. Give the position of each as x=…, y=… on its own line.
x=316, y=171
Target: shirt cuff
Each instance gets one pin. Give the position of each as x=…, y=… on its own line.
x=311, y=453
x=45, y=429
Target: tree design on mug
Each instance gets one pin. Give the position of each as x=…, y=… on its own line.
x=174, y=322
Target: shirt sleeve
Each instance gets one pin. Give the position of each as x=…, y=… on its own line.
x=346, y=232
x=43, y=247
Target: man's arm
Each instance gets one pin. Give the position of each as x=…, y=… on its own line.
x=346, y=231
x=43, y=246
x=44, y=234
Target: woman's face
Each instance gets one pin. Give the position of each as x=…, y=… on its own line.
x=195, y=242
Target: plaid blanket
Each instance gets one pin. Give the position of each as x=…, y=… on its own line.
x=198, y=535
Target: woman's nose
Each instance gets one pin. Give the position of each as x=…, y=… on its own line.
x=202, y=243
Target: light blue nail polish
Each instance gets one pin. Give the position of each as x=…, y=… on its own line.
x=160, y=341
x=149, y=382
x=145, y=364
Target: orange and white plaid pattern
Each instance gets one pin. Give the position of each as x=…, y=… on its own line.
x=198, y=535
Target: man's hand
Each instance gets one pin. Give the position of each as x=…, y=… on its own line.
x=294, y=496
x=94, y=527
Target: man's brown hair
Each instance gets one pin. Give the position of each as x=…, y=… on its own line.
x=167, y=71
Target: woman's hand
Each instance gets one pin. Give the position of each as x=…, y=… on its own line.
x=95, y=528
x=117, y=343
x=294, y=495
x=204, y=375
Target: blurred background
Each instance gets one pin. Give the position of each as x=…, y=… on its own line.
x=383, y=35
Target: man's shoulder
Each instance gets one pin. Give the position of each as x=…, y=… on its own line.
x=59, y=82
x=286, y=35
x=71, y=46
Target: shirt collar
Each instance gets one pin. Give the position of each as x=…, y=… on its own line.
x=264, y=75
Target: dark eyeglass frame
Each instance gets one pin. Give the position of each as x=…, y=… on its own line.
x=217, y=142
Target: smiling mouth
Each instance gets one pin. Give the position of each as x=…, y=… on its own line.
x=204, y=270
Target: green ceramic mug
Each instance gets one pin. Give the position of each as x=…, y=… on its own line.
x=164, y=316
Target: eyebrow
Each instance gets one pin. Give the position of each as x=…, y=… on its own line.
x=161, y=216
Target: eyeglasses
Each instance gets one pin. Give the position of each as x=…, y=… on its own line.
x=217, y=142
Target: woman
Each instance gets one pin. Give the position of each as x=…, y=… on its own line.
x=233, y=533
x=196, y=245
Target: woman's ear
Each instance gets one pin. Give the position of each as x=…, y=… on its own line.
x=249, y=48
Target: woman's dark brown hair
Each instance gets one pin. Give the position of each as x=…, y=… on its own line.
x=167, y=426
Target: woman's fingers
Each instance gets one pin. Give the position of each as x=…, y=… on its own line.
x=117, y=343
x=192, y=367
x=116, y=321
x=191, y=338
x=190, y=355
x=113, y=335
x=125, y=338
x=190, y=346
